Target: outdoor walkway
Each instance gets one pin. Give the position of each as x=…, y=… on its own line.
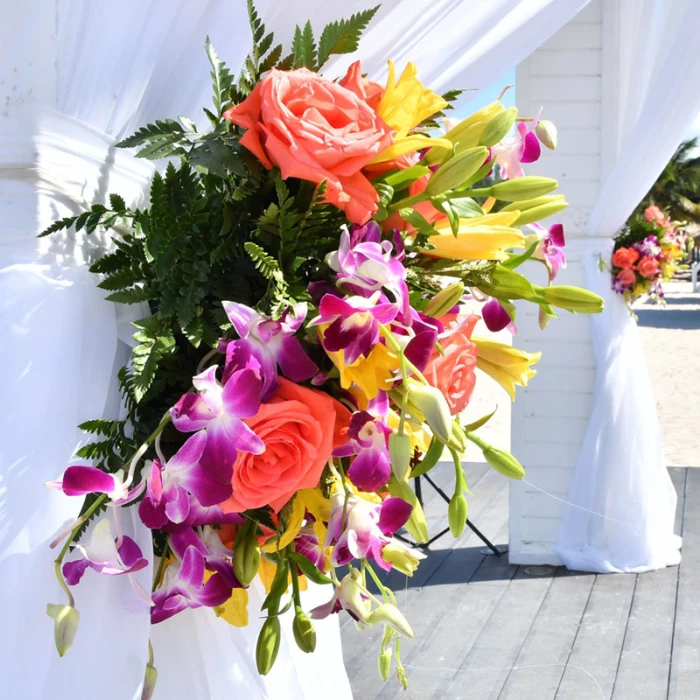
x=486, y=630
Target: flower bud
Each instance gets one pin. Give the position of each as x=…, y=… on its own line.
x=581, y=301
x=523, y=188
x=546, y=133
x=404, y=560
x=444, y=300
x=503, y=462
x=385, y=664
x=458, y=440
x=457, y=514
x=304, y=632
x=541, y=212
x=149, y=682
x=246, y=557
x=66, y=625
x=433, y=405
x=498, y=127
x=456, y=171
x=401, y=676
x=388, y=614
x=268, y=645
x=400, y=452
x=525, y=204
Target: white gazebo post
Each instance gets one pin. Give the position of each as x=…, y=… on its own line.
x=573, y=78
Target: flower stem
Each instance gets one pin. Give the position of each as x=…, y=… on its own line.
x=374, y=576
x=144, y=447
x=296, y=595
x=386, y=332
x=409, y=201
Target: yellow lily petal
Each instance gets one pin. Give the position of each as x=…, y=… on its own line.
x=501, y=218
x=505, y=364
x=476, y=243
x=409, y=144
x=235, y=609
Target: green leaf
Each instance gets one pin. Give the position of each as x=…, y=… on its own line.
x=60, y=225
x=430, y=459
x=517, y=260
x=155, y=341
x=217, y=157
x=136, y=295
x=479, y=423
x=304, y=47
x=343, y=36
x=271, y=60
x=403, y=178
x=466, y=207
x=308, y=569
x=162, y=130
x=116, y=203
x=418, y=221
x=221, y=76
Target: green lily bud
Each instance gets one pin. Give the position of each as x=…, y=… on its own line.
x=523, y=188
x=388, y=614
x=444, y=300
x=547, y=133
x=268, y=645
x=526, y=204
x=498, y=127
x=246, y=556
x=66, y=625
x=458, y=440
x=503, y=462
x=575, y=299
x=149, y=682
x=433, y=405
x=401, y=677
x=457, y=514
x=304, y=632
x=384, y=663
x=538, y=213
x=456, y=171
x=508, y=284
x=400, y=452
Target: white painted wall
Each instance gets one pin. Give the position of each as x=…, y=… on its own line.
x=572, y=78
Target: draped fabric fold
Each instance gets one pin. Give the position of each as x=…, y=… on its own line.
x=622, y=502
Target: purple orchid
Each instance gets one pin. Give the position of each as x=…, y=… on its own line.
x=649, y=247
x=184, y=586
x=273, y=343
x=551, y=248
x=354, y=324
x=80, y=480
x=361, y=528
x=371, y=468
x=105, y=554
x=219, y=411
x=307, y=544
x=495, y=316
x=217, y=557
x=522, y=147
x=424, y=332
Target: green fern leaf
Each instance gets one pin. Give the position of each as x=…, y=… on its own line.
x=161, y=130
x=221, y=76
x=304, y=47
x=343, y=36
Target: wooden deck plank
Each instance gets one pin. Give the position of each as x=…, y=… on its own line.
x=541, y=663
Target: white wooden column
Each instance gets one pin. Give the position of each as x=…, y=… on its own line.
x=573, y=78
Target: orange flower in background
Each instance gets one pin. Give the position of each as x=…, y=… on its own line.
x=314, y=129
x=453, y=371
x=627, y=276
x=300, y=428
x=625, y=258
x=648, y=267
x=654, y=215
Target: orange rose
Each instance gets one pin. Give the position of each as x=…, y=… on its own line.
x=627, y=276
x=300, y=428
x=314, y=129
x=453, y=372
x=364, y=88
x=625, y=258
x=648, y=267
x=654, y=215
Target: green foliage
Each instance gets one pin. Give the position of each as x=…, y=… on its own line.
x=343, y=36
x=304, y=47
x=221, y=78
x=163, y=138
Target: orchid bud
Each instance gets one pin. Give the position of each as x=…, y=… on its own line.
x=388, y=614
x=404, y=560
x=384, y=663
x=400, y=452
x=547, y=133
x=523, y=188
x=66, y=620
x=497, y=129
x=574, y=299
x=444, y=300
x=268, y=645
x=304, y=632
x=457, y=514
x=456, y=171
x=433, y=405
x=541, y=212
x=503, y=462
x=149, y=682
x=246, y=557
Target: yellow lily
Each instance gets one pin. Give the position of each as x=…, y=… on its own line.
x=506, y=364
x=235, y=609
x=404, y=105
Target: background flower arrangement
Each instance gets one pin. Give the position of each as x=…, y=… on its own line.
x=647, y=253
x=306, y=263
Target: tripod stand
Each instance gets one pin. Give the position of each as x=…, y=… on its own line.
x=491, y=548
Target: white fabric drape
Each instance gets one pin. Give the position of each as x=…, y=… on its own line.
x=623, y=502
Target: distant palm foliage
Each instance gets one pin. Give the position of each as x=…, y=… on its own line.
x=677, y=189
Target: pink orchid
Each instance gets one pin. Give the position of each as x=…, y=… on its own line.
x=81, y=479
x=522, y=147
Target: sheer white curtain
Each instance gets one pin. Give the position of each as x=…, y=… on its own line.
x=623, y=502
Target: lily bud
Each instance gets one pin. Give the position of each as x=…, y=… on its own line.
x=444, y=300
x=456, y=171
x=246, y=558
x=400, y=452
x=388, y=614
x=547, y=133
x=523, y=188
x=498, y=127
x=384, y=663
x=581, y=301
x=149, y=682
x=268, y=645
x=541, y=212
x=525, y=204
x=401, y=676
x=433, y=405
x=304, y=632
x=404, y=560
x=458, y=440
x=457, y=514
x=66, y=625
x=503, y=462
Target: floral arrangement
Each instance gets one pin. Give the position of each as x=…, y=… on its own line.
x=306, y=263
x=647, y=253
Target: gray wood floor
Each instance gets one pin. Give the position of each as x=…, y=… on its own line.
x=486, y=630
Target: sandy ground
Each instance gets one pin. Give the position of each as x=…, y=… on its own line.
x=671, y=337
